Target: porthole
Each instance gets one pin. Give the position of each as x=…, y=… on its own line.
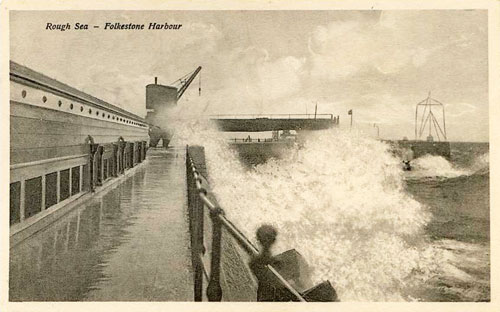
x=23, y=93
x=109, y=116
x=81, y=108
x=90, y=111
x=113, y=118
x=71, y=106
x=97, y=113
x=59, y=103
x=44, y=99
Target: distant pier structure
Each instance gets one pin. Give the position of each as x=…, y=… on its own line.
x=259, y=150
x=427, y=121
x=425, y=118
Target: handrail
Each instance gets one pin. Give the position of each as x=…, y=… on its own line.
x=272, y=116
x=220, y=220
x=259, y=140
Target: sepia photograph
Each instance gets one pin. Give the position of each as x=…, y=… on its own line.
x=248, y=155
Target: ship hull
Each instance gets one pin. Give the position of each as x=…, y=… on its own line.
x=64, y=146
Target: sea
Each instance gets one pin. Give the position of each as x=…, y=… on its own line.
x=376, y=232
x=340, y=198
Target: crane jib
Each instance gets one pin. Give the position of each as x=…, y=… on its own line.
x=186, y=84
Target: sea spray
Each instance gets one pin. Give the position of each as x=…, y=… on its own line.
x=481, y=163
x=434, y=166
x=438, y=166
x=338, y=199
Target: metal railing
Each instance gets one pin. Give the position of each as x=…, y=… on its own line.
x=272, y=116
x=198, y=203
x=254, y=140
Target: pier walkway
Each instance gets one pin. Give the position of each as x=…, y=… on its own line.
x=129, y=243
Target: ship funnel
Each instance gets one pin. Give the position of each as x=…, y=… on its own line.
x=156, y=80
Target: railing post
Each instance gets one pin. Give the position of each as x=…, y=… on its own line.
x=198, y=242
x=194, y=224
x=198, y=246
x=200, y=207
x=214, y=290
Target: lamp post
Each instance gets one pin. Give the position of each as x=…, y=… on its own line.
x=378, y=130
x=350, y=113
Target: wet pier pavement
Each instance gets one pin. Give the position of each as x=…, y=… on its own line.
x=129, y=243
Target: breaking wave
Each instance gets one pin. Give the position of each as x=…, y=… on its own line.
x=435, y=166
x=463, y=273
x=438, y=166
x=481, y=164
x=339, y=200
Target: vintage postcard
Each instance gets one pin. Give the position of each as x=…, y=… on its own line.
x=265, y=156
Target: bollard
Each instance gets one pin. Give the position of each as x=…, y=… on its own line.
x=266, y=290
x=214, y=290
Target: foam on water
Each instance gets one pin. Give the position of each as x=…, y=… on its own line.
x=435, y=166
x=481, y=163
x=438, y=166
x=339, y=200
x=463, y=273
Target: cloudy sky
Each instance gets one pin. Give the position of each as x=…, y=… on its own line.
x=378, y=63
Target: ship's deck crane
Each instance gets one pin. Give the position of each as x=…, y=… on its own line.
x=185, y=81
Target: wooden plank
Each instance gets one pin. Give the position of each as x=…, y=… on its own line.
x=21, y=202
x=31, y=132
x=63, y=124
x=58, y=187
x=21, y=156
x=44, y=185
x=31, y=111
x=42, y=168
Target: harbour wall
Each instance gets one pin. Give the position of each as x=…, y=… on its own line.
x=255, y=152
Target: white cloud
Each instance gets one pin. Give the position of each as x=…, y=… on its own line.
x=381, y=66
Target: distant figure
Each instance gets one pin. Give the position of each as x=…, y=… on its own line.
x=266, y=291
x=249, y=139
x=406, y=165
x=407, y=154
x=407, y=157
